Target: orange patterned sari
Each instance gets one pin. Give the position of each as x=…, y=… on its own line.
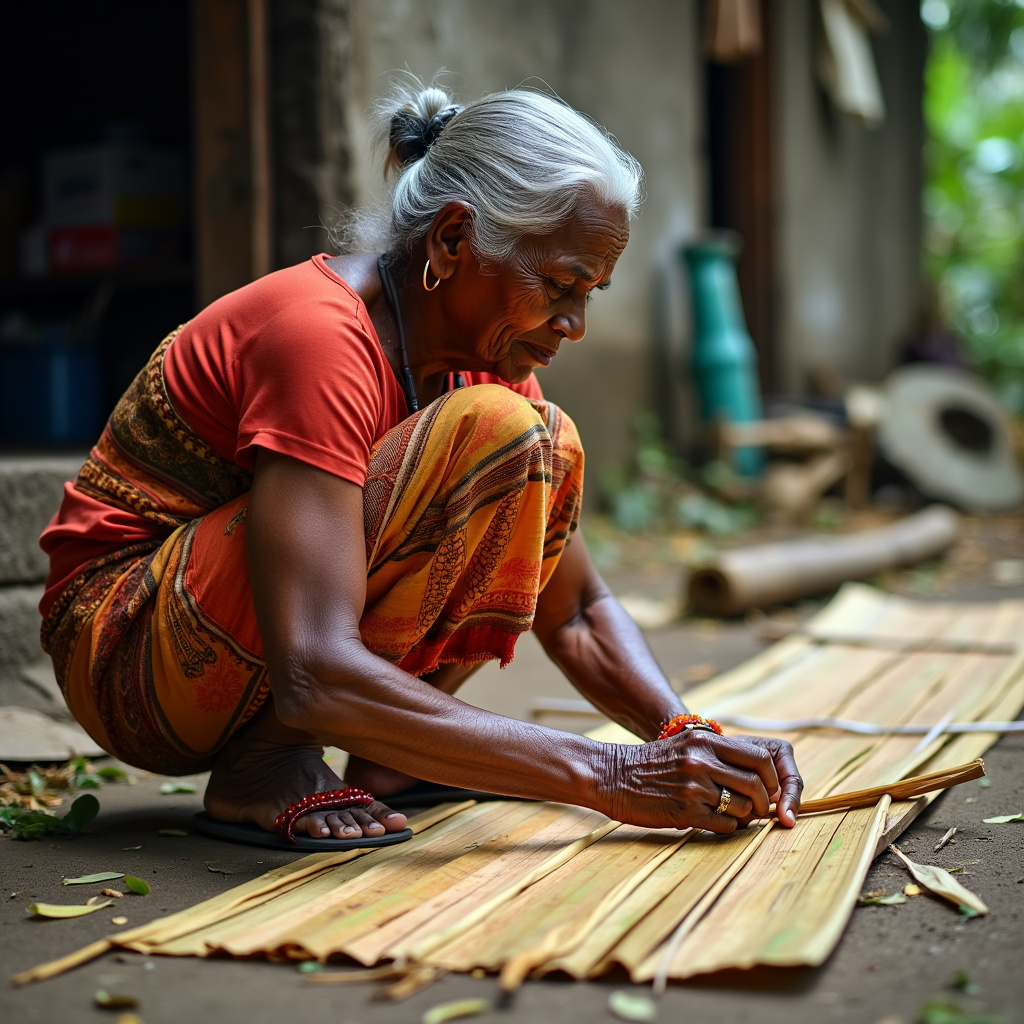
x=467, y=507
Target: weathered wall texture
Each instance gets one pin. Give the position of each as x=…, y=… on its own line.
x=635, y=69
x=848, y=207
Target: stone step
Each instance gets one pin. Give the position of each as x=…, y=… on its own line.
x=30, y=492
x=19, y=628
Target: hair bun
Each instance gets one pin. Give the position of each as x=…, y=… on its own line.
x=412, y=134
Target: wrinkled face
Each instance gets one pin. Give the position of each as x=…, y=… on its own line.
x=513, y=320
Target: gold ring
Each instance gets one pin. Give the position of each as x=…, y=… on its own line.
x=723, y=803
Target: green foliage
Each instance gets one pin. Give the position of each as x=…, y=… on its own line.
x=974, y=193
x=22, y=823
x=656, y=492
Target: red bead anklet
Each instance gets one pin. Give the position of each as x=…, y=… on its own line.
x=332, y=800
x=683, y=722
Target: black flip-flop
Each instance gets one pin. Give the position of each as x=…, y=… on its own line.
x=424, y=794
x=252, y=835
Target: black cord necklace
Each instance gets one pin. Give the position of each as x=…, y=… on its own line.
x=391, y=297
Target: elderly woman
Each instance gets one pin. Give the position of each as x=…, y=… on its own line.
x=338, y=490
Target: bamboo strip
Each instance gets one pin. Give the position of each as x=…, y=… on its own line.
x=806, y=936
x=210, y=910
x=346, y=888
x=478, y=867
x=561, y=905
x=730, y=933
x=722, y=861
x=420, y=946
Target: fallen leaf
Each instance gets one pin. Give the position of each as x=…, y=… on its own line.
x=210, y=866
x=942, y=883
x=632, y=1006
x=172, y=832
x=935, y=1012
x=985, y=782
x=128, y=1018
x=114, y=1001
x=962, y=981
x=65, y=910
x=116, y=893
x=119, y=920
x=169, y=788
x=452, y=1011
x=99, y=876
x=137, y=885
x=91, y=900
x=891, y=900
x=111, y=773
x=309, y=967
x=912, y=890
x=127, y=848
x=1002, y=819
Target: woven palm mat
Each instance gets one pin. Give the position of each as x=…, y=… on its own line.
x=541, y=888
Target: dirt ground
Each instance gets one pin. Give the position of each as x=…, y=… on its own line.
x=891, y=960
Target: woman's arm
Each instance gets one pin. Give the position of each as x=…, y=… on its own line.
x=307, y=567
x=592, y=639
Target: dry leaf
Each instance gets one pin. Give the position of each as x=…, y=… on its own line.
x=119, y=920
x=453, y=1011
x=632, y=1006
x=172, y=832
x=169, y=788
x=65, y=910
x=942, y=883
x=100, y=876
x=114, y=1001
x=116, y=893
x=892, y=900
x=912, y=890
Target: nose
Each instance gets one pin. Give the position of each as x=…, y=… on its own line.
x=571, y=322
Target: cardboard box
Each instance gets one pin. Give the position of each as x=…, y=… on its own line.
x=130, y=186
x=107, y=247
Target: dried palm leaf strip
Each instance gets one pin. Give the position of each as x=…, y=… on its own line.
x=352, y=890
x=451, y=890
x=748, y=914
x=690, y=879
x=803, y=879
x=562, y=908
x=209, y=911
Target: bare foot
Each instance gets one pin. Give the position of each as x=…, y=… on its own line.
x=267, y=766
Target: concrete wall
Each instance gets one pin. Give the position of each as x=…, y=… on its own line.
x=846, y=211
x=848, y=206
x=635, y=69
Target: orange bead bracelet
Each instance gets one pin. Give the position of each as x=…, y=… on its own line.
x=683, y=722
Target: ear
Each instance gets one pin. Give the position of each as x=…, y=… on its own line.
x=447, y=240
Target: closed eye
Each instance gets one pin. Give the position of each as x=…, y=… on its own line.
x=599, y=288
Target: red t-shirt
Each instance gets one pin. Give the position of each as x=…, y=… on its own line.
x=291, y=363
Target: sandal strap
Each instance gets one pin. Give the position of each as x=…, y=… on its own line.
x=332, y=800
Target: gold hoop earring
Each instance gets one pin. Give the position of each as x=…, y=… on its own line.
x=429, y=287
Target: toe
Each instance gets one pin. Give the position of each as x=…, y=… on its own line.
x=344, y=825
x=314, y=825
x=393, y=821
x=369, y=825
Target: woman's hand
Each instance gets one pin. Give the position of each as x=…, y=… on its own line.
x=678, y=782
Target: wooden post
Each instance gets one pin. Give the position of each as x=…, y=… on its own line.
x=232, y=175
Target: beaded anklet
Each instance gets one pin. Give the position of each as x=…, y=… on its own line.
x=332, y=800
x=682, y=723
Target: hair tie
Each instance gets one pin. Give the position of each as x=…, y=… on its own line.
x=437, y=124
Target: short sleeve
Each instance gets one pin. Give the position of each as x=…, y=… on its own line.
x=310, y=387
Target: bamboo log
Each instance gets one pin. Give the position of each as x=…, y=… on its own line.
x=769, y=574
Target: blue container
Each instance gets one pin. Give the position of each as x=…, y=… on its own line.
x=49, y=394
x=724, y=361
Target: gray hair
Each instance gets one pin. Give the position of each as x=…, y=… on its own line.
x=520, y=160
